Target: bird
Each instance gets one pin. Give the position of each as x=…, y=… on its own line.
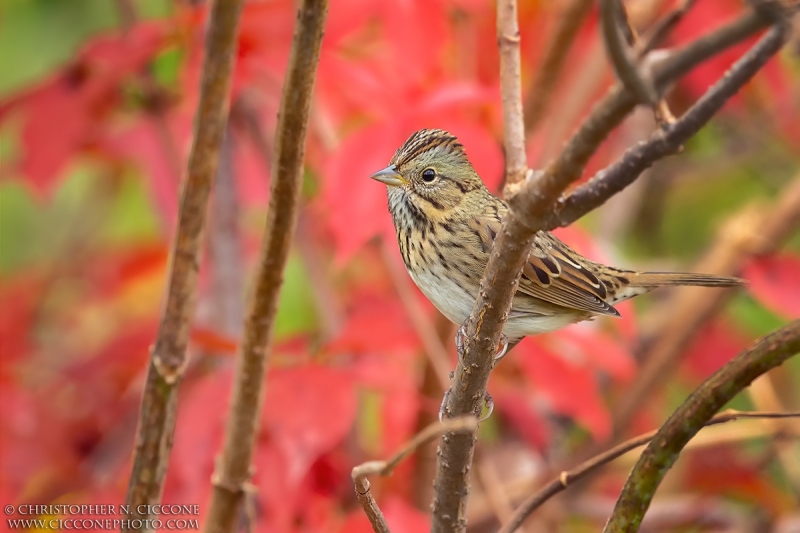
x=446, y=221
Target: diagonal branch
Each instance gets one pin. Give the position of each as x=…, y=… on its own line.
x=567, y=478
x=233, y=469
x=168, y=356
x=621, y=53
x=662, y=452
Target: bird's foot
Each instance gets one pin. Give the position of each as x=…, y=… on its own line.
x=487, y=400
x=443, y=407
x=502, y=348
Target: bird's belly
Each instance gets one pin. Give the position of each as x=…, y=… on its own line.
x=523, y=324
x=445, y=294
x=456, y=304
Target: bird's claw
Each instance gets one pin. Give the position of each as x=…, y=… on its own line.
x=443, y=407
x=501, y=351
x=487, y=400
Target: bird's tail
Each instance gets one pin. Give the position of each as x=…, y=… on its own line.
x=666, y=279
x=642, y=282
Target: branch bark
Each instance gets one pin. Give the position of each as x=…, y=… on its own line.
x=468, y=388
x=233, y=469
x=662, y=452
x=511, y=91
x=168, y=356
x=530, y=210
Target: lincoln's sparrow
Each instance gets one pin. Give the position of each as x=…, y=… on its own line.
x=446, y=221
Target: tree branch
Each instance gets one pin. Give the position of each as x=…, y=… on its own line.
x=168, y=356
x=511, y=91
x=621, y=53
x=468, y=387
x=529, y=210
x=662, y=452
x=567, y=478
x=233, y=469
x=385, y=468
x=671, y=137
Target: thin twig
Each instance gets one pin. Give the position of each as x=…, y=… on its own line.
x=621, y=53
x=555, y=55
x=385, y=468
x=233, y=468
x=168, y=356
x=511, y=92
x=661, y=28
x=567, y=478
x=530, y=209
x=662, y=452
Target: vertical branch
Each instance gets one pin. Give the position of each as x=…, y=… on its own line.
x=662, y=452
x=233, y=469
x=168, y=357
x=511, y=91
x=451, y=487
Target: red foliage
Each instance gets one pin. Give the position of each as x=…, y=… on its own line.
x=775, y=282
x=75, y=329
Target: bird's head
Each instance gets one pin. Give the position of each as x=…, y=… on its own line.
x=432, y=171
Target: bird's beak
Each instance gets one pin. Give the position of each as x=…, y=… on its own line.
x=389, y=176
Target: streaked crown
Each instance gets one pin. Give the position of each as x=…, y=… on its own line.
x=431, y=142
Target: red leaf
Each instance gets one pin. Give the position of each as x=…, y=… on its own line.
x=600, y=349
x=374, y=325
x=569, y=386
x=716, y=344
x=67, y=113
x=198, y=434
x=775, y=283
x=143, y=144
x=721, y=470
x=360, y=203
x=307, y=411
x=520, y=408
x=213, y=341
x=403, y=518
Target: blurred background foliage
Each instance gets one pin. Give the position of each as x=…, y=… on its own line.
x=83, y=251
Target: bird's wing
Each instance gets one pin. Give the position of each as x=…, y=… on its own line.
x=554, y=273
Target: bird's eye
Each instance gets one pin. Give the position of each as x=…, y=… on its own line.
x=428, y=175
